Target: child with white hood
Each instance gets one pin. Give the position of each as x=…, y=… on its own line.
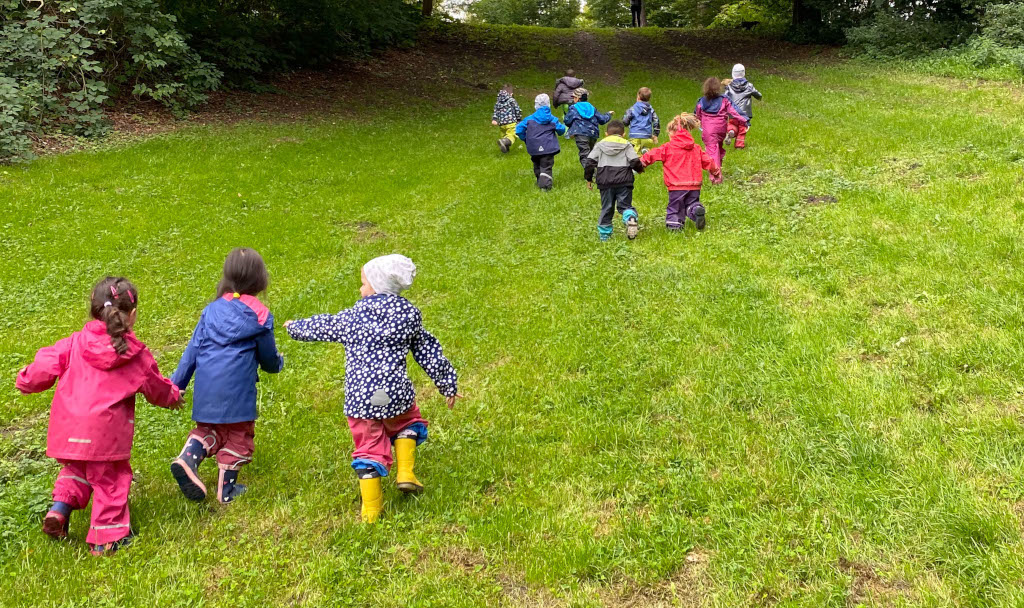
x=739, y=90
x=378, y=333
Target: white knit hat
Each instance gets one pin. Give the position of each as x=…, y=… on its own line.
x=738, y=71
x=390, y=273
x=541, y=101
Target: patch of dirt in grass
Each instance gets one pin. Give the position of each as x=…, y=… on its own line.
x=687, y=586
x=867, y=588
x=606, y=518
x=821, y=199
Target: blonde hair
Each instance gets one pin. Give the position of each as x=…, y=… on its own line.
x=726, y=82
x=685, y=121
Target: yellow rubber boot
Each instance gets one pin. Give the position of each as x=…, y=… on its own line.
x=373, y=500
x=405, y=460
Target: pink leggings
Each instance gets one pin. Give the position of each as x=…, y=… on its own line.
x=108, y=484
x=373, y=437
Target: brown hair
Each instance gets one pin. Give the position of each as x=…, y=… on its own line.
x=113, y=300
x=244, y=273
x=615, y=127
x=570, y=72
x=683, y=121
x=507, y=88
x=712, y=88
x=644, y=94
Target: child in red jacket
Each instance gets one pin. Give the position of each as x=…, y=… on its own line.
x=714, y=111
x=685, y=163
x=92, y=419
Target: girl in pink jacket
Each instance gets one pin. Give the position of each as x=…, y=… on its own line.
x=713, y=111
x=99, y=371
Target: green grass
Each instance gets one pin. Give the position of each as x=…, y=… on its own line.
x=806, y=405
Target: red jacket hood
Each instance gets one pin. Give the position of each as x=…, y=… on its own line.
x=98, y=351
x=681, y=139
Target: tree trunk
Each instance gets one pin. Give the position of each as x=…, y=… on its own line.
x=643, y=15
x=804, y=14
x=428, y=7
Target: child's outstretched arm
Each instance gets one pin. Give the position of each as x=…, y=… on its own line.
x=49, y=363
x=521, y=130
x=656, y=122
x=271, y=360
x=187, y=366
x=155, y=388
x=321, y=328
x=560, y=127
x=634, y=160
x=591, y=165
x=756, y=94
x=709, y=164
x=733, y=112
x=603, y=118
x=428, y=354
x=651, y=156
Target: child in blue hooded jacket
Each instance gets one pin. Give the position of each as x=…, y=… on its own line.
x=378, y=333
x=234, y=339
x=643, y=122
x=540, y=131
x=584, y=122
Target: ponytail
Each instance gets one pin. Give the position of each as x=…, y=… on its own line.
x=113, y=300
x=683, y=121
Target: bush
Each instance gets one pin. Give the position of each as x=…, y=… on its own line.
x=888, y=35
x=60, y=62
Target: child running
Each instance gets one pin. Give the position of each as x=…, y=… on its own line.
x=378, y=333
x=234, y=338
x=564, y=87
x=739, y=90
x=684, y=163
x=614, y=160
x=506, y=115
x=713, y=111
x=539, y=132
x=642, y=120
x=584, y=122
x=92, y=418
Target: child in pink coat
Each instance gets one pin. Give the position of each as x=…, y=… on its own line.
x=92, y=419
x=714, y=111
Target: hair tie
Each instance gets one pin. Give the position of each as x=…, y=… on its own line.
x=130, y=295
x=113, y=291
x=107, y=303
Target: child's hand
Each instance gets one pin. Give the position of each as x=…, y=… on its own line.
x=288, y=323
x=451, y=400
x=590, y=185
x=611, y=112
x=494, y=123
x=655, y=140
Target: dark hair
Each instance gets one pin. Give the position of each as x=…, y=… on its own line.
x=644, y=94
x=615, y=127
x=113, y=300
x=244, y=273
x=570, y=72
x=712, y=88
x=507, y=88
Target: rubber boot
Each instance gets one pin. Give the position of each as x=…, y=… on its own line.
x=373, y=499
x=57, y=520
x=632, y=226
x=185, y=469
x=111, y=548
x=504, y=143
x=228, y=487
x=405, y=460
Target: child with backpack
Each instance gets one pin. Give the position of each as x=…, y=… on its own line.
x=506, y=115
x=642, y=120
x=714, y=110
x=564, y=87
x=584, y=123
x=232, y=341
x=378, y=333
x=92, y=418
x=684, y=164
x=613, y=160
x=539, y=132
x=740, y=92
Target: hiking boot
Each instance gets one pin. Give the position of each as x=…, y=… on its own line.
x=370, y=491
x=111, y=548
x=729, y=137
x=544, y=181
x=185, y=469
x=698, y=218
x=505, y=144
x=632, y=227
x=228, y=487
x=57, y=520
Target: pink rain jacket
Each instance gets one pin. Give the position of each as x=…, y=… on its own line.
x=93, y=412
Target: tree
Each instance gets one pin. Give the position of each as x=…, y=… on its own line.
x=428, y=7
x=549, y=13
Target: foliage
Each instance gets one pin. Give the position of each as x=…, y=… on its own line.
x=60, y=62
x=547, y=13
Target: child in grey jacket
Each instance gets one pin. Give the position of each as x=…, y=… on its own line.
x=740, y=92
x=614, y=160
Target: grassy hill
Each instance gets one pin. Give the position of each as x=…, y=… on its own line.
x=816, y=402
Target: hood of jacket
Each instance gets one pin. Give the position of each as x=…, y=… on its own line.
x=643, y=108
x=713, y=106
x=585, y=109
x=739, y=85
x=543, y=115
x=570, y=81
x=231, y=320
x=504, y=97
x=98, y=351
x=615, y=144
x=681, y=139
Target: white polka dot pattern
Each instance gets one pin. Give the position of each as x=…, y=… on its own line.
x=378, y=332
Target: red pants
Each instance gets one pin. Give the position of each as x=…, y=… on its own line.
x=108, y=484
x=741, y=132
x=233, y=443
x=373, y=437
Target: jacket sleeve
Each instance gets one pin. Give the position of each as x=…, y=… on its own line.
x=603, y=118
x=559, y=127
x=494, y=114
x=428, y=354
x=755, y=93
x=706, y=162
x=634, y=160
x=571, y=116
x=652, y=156
x=321, y=328
x=519, y=112
x=521, y=129
x=731, y=109
x=271, y=361
x=627, y=117
x=590, y=165
x=49, y=363
x=155, y=388
x=187, y=366
x=656, y=122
